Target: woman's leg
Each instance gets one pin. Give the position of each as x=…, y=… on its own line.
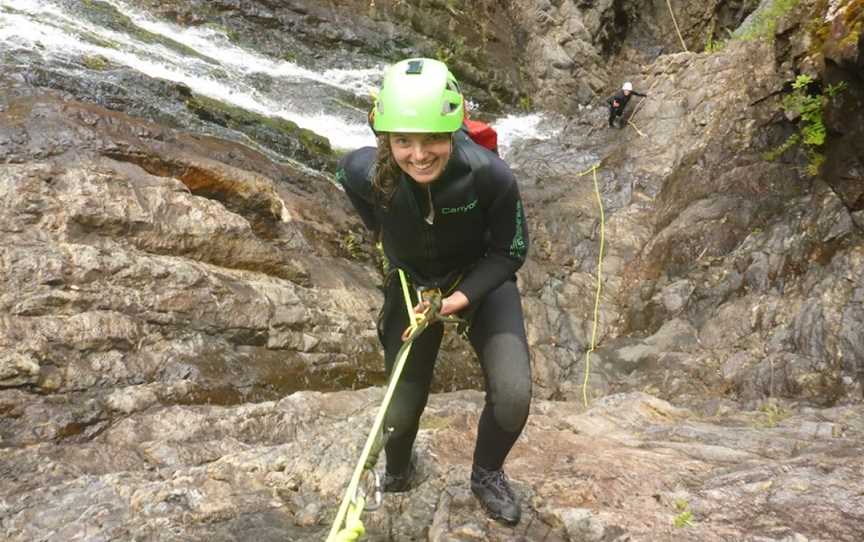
x=412, y=391
x=497, y=334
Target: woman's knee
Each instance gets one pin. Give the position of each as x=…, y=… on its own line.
x=511, y=407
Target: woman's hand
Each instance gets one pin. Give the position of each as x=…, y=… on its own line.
x=451, y=304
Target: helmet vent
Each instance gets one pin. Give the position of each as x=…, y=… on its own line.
x=448, y=107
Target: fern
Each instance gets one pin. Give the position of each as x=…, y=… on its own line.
x=811, y=128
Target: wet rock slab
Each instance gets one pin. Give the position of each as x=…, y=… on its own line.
x=630, y=467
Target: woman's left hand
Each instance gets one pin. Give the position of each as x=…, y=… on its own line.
x=453, y=303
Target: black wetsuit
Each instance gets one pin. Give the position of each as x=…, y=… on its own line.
x=622, y=100
x=477, y=240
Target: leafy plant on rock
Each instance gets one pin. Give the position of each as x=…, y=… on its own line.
x=809, y=108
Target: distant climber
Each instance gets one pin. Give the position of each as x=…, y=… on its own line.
x=618, y=102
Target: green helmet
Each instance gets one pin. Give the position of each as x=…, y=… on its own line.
x=418, y=95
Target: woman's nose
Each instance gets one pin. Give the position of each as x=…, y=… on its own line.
x=418, y=150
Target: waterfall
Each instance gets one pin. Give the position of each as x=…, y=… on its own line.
x=210, y=64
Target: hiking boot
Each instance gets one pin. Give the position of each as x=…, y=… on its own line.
x=494, y=493
x=401, y=482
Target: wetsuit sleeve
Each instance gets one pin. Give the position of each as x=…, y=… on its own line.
x=639, y=94
x=508, y=244
x=353, y=174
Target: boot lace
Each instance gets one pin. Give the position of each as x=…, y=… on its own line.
x=497, y=480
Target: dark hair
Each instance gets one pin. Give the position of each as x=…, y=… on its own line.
x=386, y=172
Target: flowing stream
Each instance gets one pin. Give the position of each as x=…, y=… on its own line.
x=205, y=59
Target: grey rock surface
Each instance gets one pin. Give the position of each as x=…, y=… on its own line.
x=187, y=340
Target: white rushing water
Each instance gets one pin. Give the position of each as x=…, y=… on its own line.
x=218, y=68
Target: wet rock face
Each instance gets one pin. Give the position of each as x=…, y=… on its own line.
x=702, y=231
x=271, y=470
x=137, y=256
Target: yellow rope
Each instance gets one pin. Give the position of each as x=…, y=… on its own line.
x=672, y=13
x=354, y=529
x=408, y=306
x=593, y=170
x=350, y=509
x=641, y=103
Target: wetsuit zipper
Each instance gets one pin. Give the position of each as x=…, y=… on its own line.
x=429, y=228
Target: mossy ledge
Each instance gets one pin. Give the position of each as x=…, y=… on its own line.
x=275, y=133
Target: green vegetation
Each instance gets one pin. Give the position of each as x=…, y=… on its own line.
x=761, y=25
x=714, y=46
x=772, y=413
x=854, y=21
x=821, y=29
x=95, y=62
x=454, y=50
x=276, y=133
x=778, y=151
x=351, y=243
x=764, y=21
x=383, y=262
x=811, y=126
x=685, y=516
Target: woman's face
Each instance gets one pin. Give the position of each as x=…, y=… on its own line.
x=422, y=156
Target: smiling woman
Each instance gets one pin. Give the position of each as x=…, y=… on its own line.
x=449, y=215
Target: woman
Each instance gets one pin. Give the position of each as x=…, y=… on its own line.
x=448, y=213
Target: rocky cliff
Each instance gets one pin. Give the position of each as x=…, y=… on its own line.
x=187, y=344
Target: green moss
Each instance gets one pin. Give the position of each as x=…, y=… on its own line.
x=98, y=41
x=276, y=133
x=820, y=29
x=771, y=414
x=854, y=22
x=714, y=46
x=96, y=62
x=764, y=22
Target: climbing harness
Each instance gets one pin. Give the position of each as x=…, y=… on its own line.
x=593, y=171
x=347, y=526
